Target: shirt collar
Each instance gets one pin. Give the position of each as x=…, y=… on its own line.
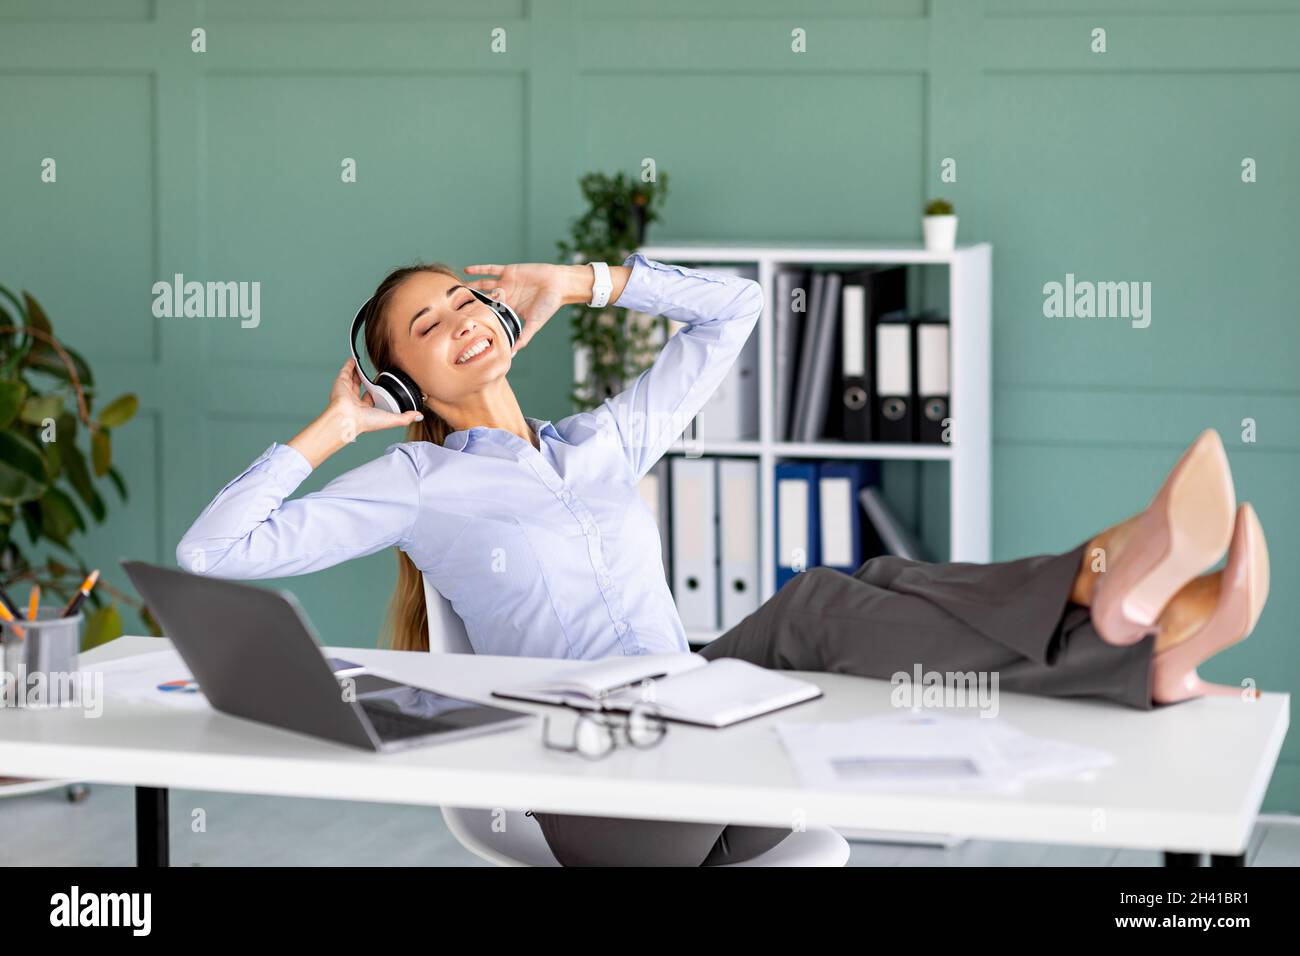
x=458, y=440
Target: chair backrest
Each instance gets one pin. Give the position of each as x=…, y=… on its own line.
x=447, y=633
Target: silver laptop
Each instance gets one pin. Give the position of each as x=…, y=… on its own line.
x=255, y=655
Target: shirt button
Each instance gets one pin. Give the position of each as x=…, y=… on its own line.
x=590, y=529
x=566, y=495
x=604, y=581
x=621, y=626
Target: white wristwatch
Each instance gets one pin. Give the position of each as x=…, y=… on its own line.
x=602, y=287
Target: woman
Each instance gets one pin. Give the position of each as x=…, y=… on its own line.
x=536, y=533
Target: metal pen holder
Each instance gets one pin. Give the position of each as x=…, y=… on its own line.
x=39, y=660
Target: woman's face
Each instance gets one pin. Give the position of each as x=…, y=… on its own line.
x=433, y=322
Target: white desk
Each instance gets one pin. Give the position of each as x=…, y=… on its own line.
x=1188, y=778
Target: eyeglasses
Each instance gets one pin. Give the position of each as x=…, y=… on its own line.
x=597, y=733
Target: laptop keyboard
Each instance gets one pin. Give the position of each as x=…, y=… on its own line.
x=392, y=725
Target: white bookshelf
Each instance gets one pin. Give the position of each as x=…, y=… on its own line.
x=970, y=453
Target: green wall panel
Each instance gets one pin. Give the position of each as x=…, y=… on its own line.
x=1173, y=210
x=84, y=244
x=767, y=131
x=428, y=187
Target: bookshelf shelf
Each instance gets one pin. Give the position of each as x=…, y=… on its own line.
x=874, y=451
x=877, y=451
x=969, y=308
x=855, y=254
x=716, y=448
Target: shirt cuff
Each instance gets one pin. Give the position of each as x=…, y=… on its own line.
x=287, y=462
x=650, y=280
x=639, y=292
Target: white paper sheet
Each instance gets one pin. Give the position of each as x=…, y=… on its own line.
x=930, y=751
x=138, y=678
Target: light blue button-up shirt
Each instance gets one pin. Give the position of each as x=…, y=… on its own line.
x=549, y=553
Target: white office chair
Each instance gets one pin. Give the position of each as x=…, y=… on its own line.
x=446, y=630
x=521, y=843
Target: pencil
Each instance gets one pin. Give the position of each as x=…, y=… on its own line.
x=83, y=592
x=33, y=602
x=7, y=615
x=8, y=603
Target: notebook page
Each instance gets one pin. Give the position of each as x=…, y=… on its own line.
x=613, y=672
x=726, y=691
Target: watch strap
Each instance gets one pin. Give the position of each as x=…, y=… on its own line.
x=602, y=286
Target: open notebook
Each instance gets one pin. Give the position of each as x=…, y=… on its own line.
x=686, y=688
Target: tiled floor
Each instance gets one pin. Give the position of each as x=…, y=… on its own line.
x=218, y=829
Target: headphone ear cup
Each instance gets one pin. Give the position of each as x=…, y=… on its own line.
x=402, y=388
x=510, y=322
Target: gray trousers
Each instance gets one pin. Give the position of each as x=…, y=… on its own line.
x=1012, y=618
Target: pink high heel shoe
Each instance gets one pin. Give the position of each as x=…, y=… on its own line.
x=1181, y=533
x=1242, y=593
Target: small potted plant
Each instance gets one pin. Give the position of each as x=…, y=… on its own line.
x=610, y=348
x=940, y=226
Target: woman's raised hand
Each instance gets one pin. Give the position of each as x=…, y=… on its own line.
x=345, y=417
x=535, y=290
x=355, y=410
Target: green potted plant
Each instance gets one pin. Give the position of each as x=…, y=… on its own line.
x=612, y=350
x=50, y=484
x=939, y=226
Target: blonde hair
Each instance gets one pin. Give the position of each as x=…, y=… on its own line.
x=408, y=615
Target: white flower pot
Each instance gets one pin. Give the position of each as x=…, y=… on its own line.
x=940, y=233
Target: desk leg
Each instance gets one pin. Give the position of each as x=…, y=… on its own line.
x=1227, y=859
x=1173, y=858
x=151, y=847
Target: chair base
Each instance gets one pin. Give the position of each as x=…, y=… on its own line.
x=511, y=838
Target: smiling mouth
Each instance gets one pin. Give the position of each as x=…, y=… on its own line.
x=461, y=360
